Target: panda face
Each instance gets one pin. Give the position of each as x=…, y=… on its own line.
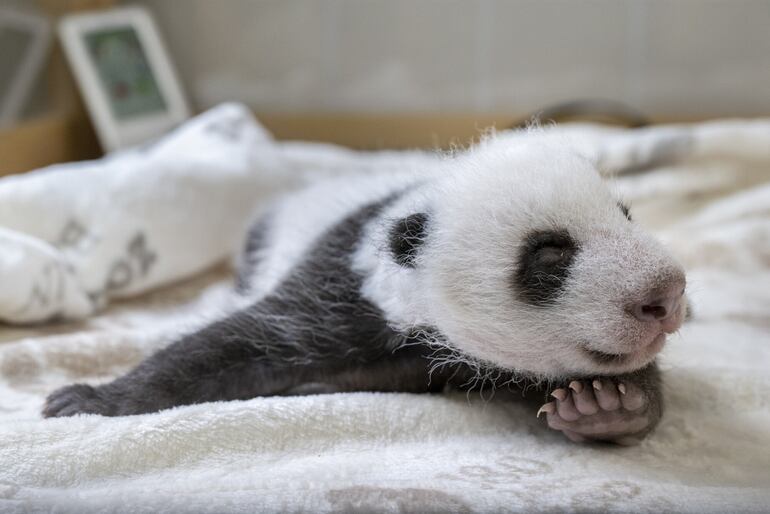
x=530, y=263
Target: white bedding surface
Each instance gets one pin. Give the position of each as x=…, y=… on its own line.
x=410, y=453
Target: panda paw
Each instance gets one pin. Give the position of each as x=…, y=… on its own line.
x=603, y=409
x=75, y=399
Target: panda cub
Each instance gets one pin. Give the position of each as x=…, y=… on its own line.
x=509, y=266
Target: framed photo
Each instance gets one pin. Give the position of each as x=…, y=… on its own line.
x=127, y=80
x=24, y=42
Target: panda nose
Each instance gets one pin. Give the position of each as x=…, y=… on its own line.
x=661, y=306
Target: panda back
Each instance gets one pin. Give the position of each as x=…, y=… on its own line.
x=281, y=237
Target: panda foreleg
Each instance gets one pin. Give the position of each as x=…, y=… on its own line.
x=622, y=409
x=239, y=357
x=249, y=354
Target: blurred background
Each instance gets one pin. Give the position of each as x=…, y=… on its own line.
x=373, y=73
x=674, y=58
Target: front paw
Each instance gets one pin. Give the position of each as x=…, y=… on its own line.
x=75, y=399
x=600, y=410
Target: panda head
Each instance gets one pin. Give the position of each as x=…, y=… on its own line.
x=522, y=257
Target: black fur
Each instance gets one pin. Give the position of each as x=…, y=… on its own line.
x=255, y=241
x=543, y=266
x=315, y=329
x=406, y=237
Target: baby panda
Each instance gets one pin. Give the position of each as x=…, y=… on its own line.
x=507, y=267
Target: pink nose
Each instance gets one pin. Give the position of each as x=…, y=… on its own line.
x=661, y=306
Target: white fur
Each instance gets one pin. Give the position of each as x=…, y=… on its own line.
x=481, y=208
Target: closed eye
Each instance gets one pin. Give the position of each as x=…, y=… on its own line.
x=551, y=254
x=549, y=239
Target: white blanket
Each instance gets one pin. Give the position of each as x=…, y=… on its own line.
x=408, y=453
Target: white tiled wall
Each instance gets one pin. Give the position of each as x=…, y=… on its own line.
x=667, y=57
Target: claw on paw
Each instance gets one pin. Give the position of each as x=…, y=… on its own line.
x=548, y=408
x=560, y=394
x=576, y=386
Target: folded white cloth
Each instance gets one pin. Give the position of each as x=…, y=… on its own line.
x=76, y=235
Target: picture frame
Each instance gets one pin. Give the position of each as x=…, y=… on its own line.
x=25, y=39
x=125, y=75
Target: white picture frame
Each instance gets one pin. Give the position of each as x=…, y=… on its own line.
x=37, y=31
x=128, y=82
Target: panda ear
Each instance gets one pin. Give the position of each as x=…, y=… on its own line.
x=406, y=237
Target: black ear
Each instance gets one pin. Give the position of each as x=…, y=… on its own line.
x=406, y=237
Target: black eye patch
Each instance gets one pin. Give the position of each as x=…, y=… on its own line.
x=543, y=266
x=406, y=237
x=625, y=210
